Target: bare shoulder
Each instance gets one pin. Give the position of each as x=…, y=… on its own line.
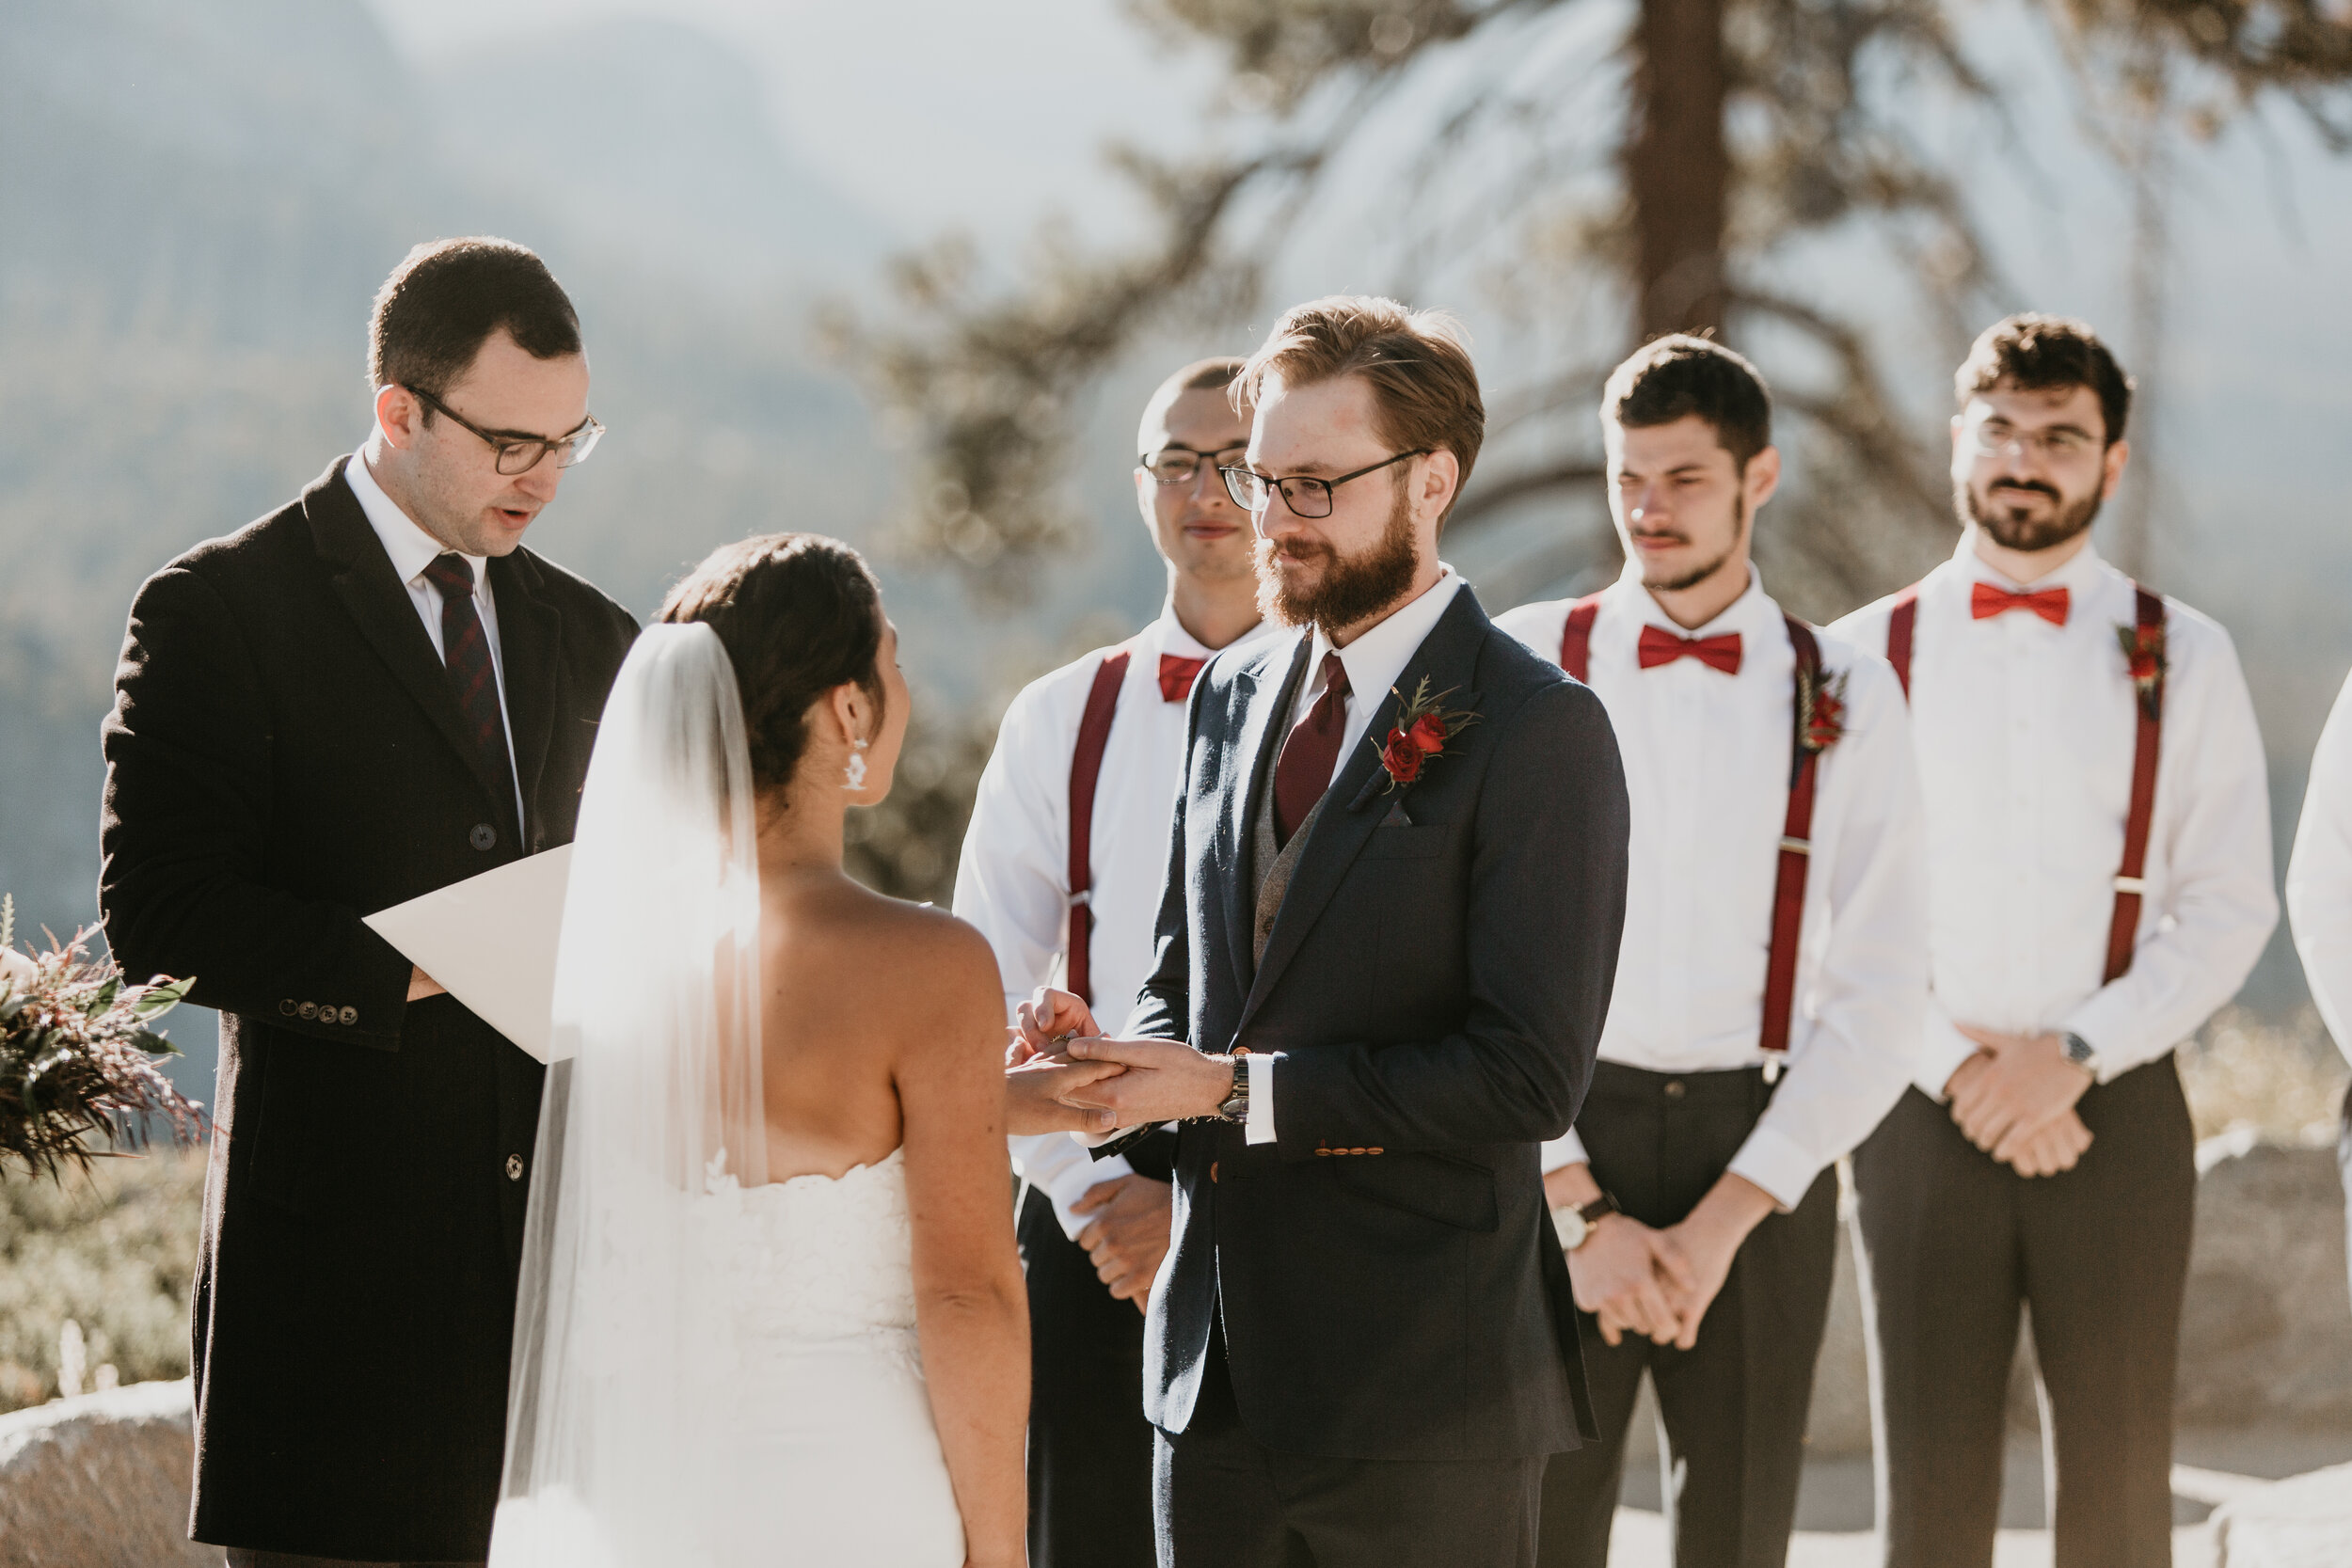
x=934, y=969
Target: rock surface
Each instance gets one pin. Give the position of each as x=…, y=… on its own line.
x=99, y=1481
x=2302, y=1523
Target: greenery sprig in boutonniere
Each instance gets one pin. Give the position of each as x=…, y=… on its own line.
x=1820, y=710
x=77, y=1056
x=1422, y=730
x=2143, y=651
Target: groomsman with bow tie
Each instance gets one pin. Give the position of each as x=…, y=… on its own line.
x=2099, y=873
x=1062, y=871
x=1771, y=983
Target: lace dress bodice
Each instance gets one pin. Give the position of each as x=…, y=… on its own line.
x=816, y=1257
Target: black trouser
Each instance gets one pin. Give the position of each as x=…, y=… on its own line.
x=1089, y=1446
x=1952, y=1244
x=1226, y=1500
x=237, y=1557
x=1735, y=1403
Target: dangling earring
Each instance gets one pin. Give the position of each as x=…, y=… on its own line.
x=853, y=776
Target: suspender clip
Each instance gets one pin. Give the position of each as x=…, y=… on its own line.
x=1772, y=1066
x=1796, y=845
x=1084, y=897
x=2136, y=886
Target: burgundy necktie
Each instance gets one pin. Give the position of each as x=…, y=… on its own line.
x=1177, y=674
x=1660, y=646
x=1986, y=600
x=1310, y=753
x=466, y=653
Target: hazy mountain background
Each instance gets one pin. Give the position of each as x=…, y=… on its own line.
x=198, y=199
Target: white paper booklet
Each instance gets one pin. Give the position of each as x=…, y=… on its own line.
x=490, y=942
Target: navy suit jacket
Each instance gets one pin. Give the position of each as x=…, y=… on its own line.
x=1385, y=1271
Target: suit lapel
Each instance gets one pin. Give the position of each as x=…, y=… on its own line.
x=363, y=576
x=1449, y=657
x=1261, y=739
x=530, y=652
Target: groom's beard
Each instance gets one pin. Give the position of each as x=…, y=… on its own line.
x=1351, y=588
x=2013, y=530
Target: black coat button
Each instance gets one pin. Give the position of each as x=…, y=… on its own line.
x=483, y=836
x=308, y=1009
x=287, y=1007
x=514, y=1168
x=349, y=1015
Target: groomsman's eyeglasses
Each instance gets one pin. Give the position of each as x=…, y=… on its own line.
x=1308, y=497
x=1991, y=437
x=518, y=453
x=1175, y=465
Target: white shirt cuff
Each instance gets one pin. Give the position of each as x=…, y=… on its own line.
x=1258, y=1126
x=1068, y=1186
x=1941, y=1049
x=1775, y=1162
x=1566, y=1150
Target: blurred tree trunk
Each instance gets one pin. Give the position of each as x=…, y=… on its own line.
x=1677, y=166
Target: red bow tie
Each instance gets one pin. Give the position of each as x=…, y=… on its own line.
x=1986, y=600
x=1660, y=646
x=1177, y=674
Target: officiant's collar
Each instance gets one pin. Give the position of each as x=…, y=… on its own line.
x=411, y=548
x=1380, y=654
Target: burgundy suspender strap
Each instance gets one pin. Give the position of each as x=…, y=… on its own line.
x=1576, y=638
x=1086, y=768
x=1796, y=851
x=2124, y=931
x=1899, y=626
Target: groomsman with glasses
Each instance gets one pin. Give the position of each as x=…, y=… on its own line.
x=1771, y=983
x=2098, y=827
x=1062, y=871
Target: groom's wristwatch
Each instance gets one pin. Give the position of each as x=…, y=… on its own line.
x=1235, y=1105
x=1575, y=1224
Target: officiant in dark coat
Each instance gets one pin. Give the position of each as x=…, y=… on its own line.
x=371, y=693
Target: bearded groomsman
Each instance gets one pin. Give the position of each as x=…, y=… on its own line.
x=2099, y=876
x=1061, y=870
x=2319, y=899
x=1768, y=991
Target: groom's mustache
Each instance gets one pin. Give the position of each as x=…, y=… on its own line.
x=2031, y=486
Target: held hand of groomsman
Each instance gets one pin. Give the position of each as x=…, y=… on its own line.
x=1707, y=1239
x=1128, y=1237
x=1626, y=1275
x=2010, y=1093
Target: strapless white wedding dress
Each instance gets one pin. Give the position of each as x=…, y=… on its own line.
x=830, y=1419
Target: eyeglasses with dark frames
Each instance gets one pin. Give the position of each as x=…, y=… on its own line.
x=1180, y=465
x=520, y=455
x=1306, y=498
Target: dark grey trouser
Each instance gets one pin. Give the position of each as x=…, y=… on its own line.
x=237, y=1557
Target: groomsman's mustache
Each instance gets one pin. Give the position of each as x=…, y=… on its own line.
x=2027, y=486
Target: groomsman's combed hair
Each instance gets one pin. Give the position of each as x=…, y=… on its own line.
x=1418, y=363
x=2036, y=353
x=1202, y=375
x=1678, y=376
x=445, y=299
x=799, y=615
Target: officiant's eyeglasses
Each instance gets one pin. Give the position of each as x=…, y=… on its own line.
x=1308, y=498
x=519, y=454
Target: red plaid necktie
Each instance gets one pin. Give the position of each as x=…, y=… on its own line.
x=1309, y=752
x=1177, y=674
x=1986, y=600
x=466, y=653
x=1660, y=646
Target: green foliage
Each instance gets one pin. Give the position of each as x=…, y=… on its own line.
x=112, y=1248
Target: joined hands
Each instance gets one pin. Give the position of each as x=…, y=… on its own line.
x=1062, y=1075
x=2015, y=1099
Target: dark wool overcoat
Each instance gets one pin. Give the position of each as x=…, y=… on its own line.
x=285, y=755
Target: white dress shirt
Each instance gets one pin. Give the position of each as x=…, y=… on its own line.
x=1707, y=767
x=412, y=550
x=2024, y=733
x=2319, y=877
x=1013, y=879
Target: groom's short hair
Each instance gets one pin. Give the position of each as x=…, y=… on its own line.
x=1679, y=376
x=446, y=297
x=1424, y=389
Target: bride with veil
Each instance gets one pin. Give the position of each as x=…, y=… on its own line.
x=770, y=1309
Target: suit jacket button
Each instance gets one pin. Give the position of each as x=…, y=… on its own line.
x=349, y=1015
x=287, y=1007
x=1321, y=1151
x=308, y=1009
x=1368, y=1150
x=514, y=1168
x=483, y=836
x=1212, y=1170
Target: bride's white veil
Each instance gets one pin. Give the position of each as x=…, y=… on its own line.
x=621, y=1348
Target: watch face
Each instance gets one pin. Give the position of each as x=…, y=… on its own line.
x=1571, y=1227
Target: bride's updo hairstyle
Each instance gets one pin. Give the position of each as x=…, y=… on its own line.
x=799, y=615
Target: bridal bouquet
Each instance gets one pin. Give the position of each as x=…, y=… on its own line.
x=77, y=1056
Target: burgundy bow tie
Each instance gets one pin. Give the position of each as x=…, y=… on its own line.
x=1177, y=674
x=1986, y=600
x=1660, y=646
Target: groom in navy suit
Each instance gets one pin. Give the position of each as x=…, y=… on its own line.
x=1395, y=884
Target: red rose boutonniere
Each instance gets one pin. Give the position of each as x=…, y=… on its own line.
x=1820, y=711
x=2143, y=651
x=1422, y=730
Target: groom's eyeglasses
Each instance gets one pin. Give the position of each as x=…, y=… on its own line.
x=519, y=454
x=1308, y=497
